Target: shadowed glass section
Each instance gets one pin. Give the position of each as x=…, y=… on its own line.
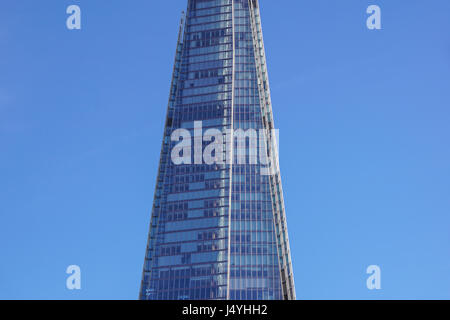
x=188, y=246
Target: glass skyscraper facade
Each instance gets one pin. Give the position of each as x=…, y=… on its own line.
x=218, y=228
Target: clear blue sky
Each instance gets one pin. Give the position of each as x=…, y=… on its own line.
x=363, y=118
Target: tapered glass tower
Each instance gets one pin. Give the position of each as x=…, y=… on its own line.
x=218, y=227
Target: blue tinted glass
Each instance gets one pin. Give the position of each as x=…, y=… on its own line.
x=215, y=228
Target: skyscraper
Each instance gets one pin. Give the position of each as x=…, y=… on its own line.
x=218, y=227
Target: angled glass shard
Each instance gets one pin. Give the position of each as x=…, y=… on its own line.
x=218, y=228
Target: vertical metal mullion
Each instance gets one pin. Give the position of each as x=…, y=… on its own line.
x=232, y=147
